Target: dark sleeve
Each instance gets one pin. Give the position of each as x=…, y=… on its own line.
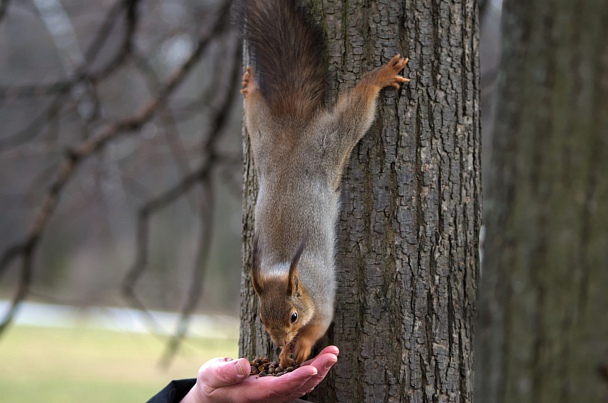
x=174, y=392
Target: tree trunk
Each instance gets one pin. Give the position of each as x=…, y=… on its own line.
x=407, y=250
x=543, y=332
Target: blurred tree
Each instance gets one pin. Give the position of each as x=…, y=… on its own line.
x=411, y=207
x=543, y=333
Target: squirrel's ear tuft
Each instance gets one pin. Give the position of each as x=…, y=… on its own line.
x=256, y=274
x=292, y=284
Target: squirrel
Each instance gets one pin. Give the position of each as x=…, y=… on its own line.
x=300, y=147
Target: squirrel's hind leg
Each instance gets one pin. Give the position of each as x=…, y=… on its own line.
x=259, y=121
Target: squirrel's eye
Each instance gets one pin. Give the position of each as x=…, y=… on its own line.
x=294, y=317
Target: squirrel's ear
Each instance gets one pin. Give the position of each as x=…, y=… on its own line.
x=256, y=279
x=292, y=284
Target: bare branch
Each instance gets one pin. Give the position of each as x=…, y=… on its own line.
x=26, y=251
x=104, y=30
x=130, y=7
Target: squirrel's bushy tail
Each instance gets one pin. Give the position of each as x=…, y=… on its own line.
x=286, y=55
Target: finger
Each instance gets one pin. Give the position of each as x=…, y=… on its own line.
x=221, y=372
x=323, y=363
x=327, y=350
x=330, y=350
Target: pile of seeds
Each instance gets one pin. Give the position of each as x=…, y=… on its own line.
x=264, y=367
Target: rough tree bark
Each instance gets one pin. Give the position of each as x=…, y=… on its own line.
x=408, y=233
x=543, y=332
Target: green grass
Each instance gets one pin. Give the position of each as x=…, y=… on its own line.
x=91, y=365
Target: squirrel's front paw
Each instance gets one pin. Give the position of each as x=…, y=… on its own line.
x=284, y=358
x=248, y=81
x=302, y=353
x=388, y=75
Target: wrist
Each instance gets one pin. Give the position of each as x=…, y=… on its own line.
x=193, y=396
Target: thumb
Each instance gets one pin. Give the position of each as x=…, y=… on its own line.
x=221, y=372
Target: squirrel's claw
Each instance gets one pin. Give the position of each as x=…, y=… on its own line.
x=388, y=75
x=248, y=82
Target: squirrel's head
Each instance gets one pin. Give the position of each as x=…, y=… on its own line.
x=285, y=307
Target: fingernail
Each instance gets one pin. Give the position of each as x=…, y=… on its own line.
x=239, y=368
x=330, y=364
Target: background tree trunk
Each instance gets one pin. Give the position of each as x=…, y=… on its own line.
x=408, y=232
x=543, y=326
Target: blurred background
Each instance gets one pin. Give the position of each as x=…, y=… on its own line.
x=143, y=220
x=122, y=119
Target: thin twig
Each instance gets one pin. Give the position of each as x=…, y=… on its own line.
x=132, y=19
x=106, y=28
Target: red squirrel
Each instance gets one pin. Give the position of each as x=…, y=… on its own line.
x=300, y=146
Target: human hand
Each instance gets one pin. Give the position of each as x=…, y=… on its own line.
x=227, y=380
